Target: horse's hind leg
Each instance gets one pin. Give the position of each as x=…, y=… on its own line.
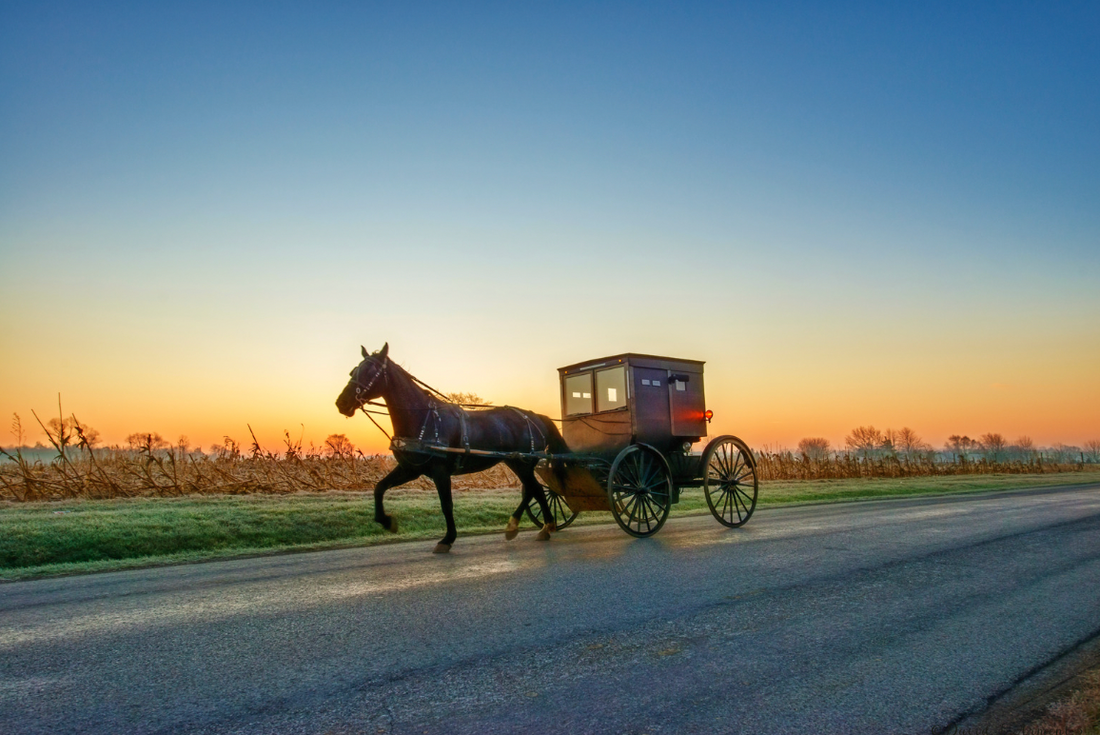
x=399, y=475
x=532, y=488
x=442, y=478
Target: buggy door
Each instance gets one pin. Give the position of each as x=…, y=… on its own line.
x=652, y=422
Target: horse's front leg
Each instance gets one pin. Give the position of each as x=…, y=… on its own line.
x=442, y=477
x=512, y=529
x=399, y=475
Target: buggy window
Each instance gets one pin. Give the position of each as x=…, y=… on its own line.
x=578, y=394
x=611, y=389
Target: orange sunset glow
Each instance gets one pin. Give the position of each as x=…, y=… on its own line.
x=190, y=246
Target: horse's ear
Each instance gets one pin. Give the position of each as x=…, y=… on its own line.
x=364, y=349
x=384, y=351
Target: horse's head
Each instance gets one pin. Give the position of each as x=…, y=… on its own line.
x=367, y=382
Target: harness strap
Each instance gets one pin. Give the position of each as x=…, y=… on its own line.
x=465, y=433
x=531, y=426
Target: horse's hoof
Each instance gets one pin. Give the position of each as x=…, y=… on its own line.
x=552, y=526
x=390, y=524
x=512, y=530
x=544, y=534
x=442, y=548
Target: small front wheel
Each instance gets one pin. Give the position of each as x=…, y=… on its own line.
x=563, y=515
x=639, y=489
x=729, y=480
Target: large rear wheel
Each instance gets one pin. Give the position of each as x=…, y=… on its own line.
x=729, y=480
x=639, y=489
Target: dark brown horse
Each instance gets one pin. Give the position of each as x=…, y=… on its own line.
x=421, y=418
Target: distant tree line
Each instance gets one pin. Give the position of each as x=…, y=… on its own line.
x=868, y=443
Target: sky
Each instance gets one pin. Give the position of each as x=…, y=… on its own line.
x=855, y=213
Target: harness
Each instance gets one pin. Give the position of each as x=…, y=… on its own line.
x=430, y=428
x=531, y=426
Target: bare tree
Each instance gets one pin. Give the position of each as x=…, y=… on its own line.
x=467, y=399
x=815, y=448
x=339, y=446
x=864, y=440
x=910, y=443
x=62, y=430
x=1092, y=450
x=993, y=446
x=1063, y=453
x=960, y=445
x=1022, y=449
x=147, y=440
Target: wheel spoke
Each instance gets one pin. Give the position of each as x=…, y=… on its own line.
x=641, y=514
x=722, y=455
x=651, y=471
x=739, y=503
x=747, y=473
x=646, y=512
x=738, y=463
x=629, y=507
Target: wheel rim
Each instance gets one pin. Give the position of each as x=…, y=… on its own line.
x=730, y=484
x=639, y=490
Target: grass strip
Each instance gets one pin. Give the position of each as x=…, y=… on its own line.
x=72, y=536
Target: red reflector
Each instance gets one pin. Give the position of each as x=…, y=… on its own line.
x=709, y=414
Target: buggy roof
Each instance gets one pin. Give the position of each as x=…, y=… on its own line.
x=638, y=360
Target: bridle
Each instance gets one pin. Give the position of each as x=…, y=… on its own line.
x=362, y=397
x=364, y=390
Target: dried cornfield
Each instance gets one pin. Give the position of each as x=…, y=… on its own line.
x=113, y=473
x=102, y=474
x=151, y=468
x=848, y=465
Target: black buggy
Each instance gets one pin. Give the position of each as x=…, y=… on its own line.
x=630, y=421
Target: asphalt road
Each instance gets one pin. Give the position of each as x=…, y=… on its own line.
x=883, y=617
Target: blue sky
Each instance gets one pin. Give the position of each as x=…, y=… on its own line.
x=816, y=198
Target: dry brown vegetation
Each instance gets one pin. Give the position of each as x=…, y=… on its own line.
x=869, y=452
x=781, y=465
x=151, y=467
x=1075, y=714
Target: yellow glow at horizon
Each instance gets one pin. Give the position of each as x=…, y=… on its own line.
x=772, y=400
x=271, y=347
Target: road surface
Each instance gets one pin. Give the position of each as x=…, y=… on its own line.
x=898, y=616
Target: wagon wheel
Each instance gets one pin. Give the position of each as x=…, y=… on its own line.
x=729, y=480
x=639, y=489
x=559, y=509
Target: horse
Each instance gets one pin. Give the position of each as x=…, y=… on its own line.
x=421, y=417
